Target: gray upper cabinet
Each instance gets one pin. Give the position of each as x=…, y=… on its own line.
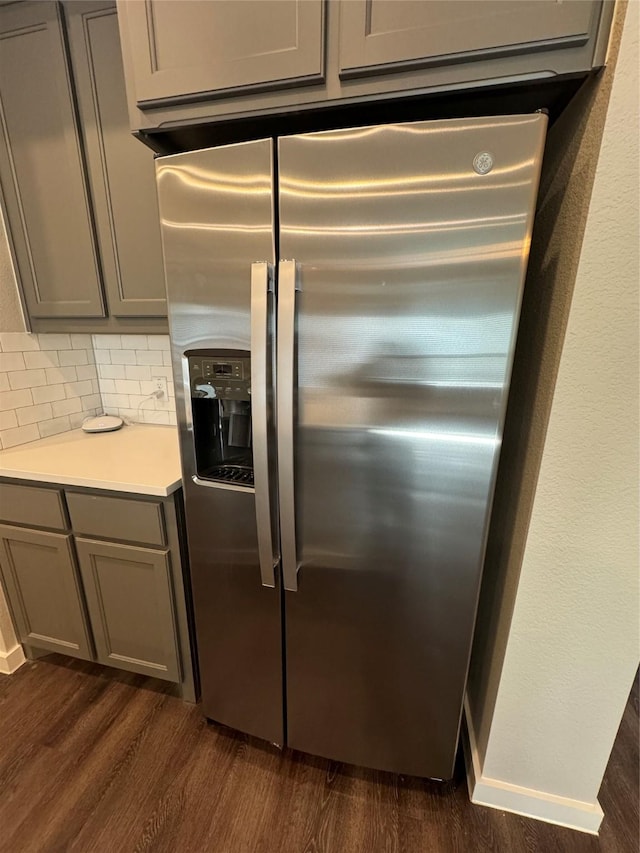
x=190, y=62
x=130, y=603
x=209, y=48
x=41, y=167
x=378, y=36
x=121, y=171
x=39, y=573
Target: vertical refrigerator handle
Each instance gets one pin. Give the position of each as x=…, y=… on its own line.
x=287, y=287
x=261, y=286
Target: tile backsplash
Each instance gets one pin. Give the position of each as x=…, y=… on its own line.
x=127, y=365
x=48, y=384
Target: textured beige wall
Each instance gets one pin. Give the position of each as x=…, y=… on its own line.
x=11, y=318
x=557, y=640
x=568, y=173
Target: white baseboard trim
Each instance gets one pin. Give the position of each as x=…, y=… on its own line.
x=12, y=660
x=484, y=791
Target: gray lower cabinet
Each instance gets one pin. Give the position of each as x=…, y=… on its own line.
x=130, y=601
x=99, y=575
x=40, y=576
x=42, y=177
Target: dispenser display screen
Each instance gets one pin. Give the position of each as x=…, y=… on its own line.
x=222, y=369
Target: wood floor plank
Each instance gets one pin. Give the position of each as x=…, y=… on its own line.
x=97, y=761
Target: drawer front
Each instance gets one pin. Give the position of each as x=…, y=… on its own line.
x=116, y=518
x=32, y=506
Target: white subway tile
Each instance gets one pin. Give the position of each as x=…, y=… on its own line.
x=135, y=372
x=66, y=407
x=18, y=341
x=81, y=342
x=136, y=400
x=162, y=370
x=111, y=371
x=15, y=399
x=49, y=341
x=127, y=386
x=151, y=357
x=48, y=393
x=172, y=419
x=147, y=387
x=166, y=357
x=73, y=356
x=86, y=371
x=128, y=414
x=26, y=379
x=33, y=414
x=91, y=401
x=107, y=386
x=8, y=419
x=54, y=426
x=78, y=389
x=19, y=435
x=76, y=419
x=134, y=341
x=47, y=358
x=95, y=388
x=123, y=356
x=103, y=356
x=4, y=382
x=114, y=401
x=60, y=374
x=107, y=342
x=151, y=416
x=12, y=361
x=159, y=342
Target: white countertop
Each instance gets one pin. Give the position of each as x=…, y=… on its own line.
x=140, y=458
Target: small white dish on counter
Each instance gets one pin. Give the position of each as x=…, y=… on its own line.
x=102, y=423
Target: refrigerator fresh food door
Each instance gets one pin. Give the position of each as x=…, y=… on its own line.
x=406, y=248
x=216, y=209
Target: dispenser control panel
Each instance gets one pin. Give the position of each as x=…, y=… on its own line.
x=224, y=378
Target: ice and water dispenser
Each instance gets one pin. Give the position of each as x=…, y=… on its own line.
x=220, y=382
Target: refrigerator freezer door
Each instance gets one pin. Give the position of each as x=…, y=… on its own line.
x=411, y=244
x=216, y=210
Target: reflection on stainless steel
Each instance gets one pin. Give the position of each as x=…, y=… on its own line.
x=395, y=337
x=216, y=217
x=411, y=267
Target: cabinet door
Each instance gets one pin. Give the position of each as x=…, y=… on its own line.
x=41, y=167
x=130, y=603
x=121, y=170
x=208, y=48
x=391, y=35
x=42, y=586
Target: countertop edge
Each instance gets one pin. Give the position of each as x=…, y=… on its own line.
x=86, y=483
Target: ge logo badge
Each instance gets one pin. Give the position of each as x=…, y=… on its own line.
x=483, y=162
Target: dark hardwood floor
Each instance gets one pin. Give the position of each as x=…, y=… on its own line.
x=96, y=760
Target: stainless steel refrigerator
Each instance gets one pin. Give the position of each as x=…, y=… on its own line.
x=343, y=310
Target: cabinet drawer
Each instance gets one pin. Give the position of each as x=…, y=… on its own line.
x=116, y=518
x=32, y=506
